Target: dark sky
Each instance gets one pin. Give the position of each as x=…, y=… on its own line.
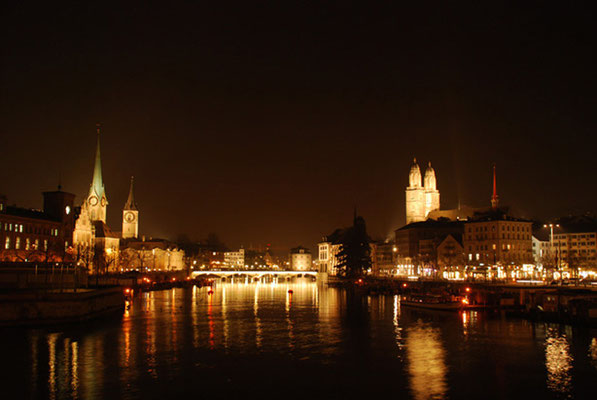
x=267, y=123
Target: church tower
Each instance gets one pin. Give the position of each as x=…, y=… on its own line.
x=130, y=216
x=97, y=201
x=431, y=192
x=415, y=195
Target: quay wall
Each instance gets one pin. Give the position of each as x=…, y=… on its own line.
x=36, y=307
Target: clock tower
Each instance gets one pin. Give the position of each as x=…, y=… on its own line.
x=130, y=216
x=97, y=202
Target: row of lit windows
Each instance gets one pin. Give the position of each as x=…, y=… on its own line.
x=513, y=228
x=478, y=256
x=517, y=236
x=18, y=244
x=575, y=236
x=572, y=244
x=20, y=228
x=494, y=247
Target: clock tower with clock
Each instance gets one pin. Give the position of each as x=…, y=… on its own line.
x=97, y=201
x=130, y=216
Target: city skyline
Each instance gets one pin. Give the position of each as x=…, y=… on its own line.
x=274, y=140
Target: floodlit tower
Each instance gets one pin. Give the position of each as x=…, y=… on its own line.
x=97, y=201
x=130, y=216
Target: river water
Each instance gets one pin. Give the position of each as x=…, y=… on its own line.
x=260, y=341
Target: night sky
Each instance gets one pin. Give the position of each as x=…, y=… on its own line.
x=267, y=123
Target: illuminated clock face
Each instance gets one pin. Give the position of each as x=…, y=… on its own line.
x=67, y=210
x=129, y=217
x=93, y=200
x=103, y=201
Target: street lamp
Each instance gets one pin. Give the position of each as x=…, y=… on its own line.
x=551, y=226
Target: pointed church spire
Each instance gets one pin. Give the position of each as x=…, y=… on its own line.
x=97, y=186
x=130, y=202
x=494, y=199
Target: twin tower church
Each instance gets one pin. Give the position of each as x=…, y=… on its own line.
x=422, y=197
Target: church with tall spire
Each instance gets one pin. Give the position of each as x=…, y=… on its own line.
x=101, y=249
x=130, y=216
x=97, y=202
x=91, y=231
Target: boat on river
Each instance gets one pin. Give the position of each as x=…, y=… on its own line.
x=435, y=302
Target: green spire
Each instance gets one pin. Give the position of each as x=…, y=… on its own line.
x=97, y=186
x=130, y=202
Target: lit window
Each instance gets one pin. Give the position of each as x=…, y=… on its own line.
x=45, y=245
x=27, y=243
x=18, y=243
x=7, y=243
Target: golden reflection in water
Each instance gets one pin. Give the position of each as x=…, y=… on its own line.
x=34, y=344
x=558, y=362
x=397, y=327
x=74, y=367
x=210, y=321
x=427, y=364
x=258, y=332
x=593, y=351
x=226, y=323
x=194, y=317
x=173, y=332
x=52, y=338
x=150, y=339
x=289, y=321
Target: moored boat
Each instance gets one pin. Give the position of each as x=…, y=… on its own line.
x=435, y=302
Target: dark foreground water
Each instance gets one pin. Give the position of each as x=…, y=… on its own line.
x=258, y=341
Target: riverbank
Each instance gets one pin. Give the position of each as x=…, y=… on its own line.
x=562, y=304
x=26, y=307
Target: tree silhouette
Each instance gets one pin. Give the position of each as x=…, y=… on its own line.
x=354, y=256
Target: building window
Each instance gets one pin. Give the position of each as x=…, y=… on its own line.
x=27, y=243
x=18, y=243
x=45, y=245
x=7, y=243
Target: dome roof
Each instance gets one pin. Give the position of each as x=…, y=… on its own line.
x=415, y=167
x=429, y=171
x=414, y=177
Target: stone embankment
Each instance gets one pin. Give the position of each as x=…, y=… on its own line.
x=49, y=307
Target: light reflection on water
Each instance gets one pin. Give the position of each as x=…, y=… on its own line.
x=427, y=361
x=177, y=340
x=558, y=362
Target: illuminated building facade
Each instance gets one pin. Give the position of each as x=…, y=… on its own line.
x=498, y=240
x=154, y=255
x=31, y=235
x=328, y=262
x=417, y=243
x=450, y=257
x=383, y=257
x=235, y=259
x=575, y=246
x=422, y=196
x=300, y=259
